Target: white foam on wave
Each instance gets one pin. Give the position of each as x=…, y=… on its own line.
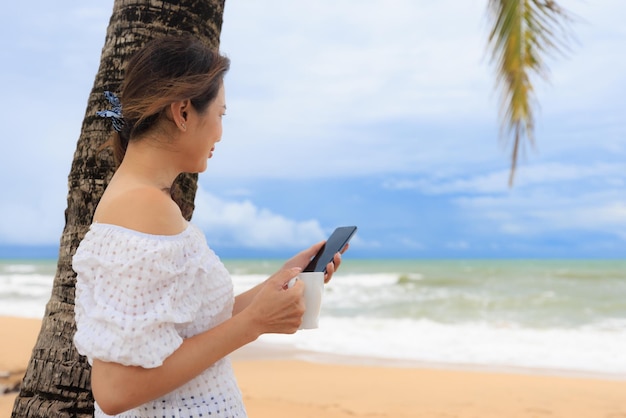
x=590, y=349
x=19, y=268
x=24, y=293
x=241, y=283
x=25, y=285
x=23, y=309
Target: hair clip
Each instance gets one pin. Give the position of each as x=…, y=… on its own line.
x=115, y=113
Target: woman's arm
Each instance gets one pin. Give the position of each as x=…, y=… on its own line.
x=272, y=309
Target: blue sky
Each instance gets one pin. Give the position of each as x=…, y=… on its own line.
x=377, y=113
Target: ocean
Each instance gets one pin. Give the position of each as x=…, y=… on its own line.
x=553, y=316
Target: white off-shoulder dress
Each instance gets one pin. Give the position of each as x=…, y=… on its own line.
x=138, y=296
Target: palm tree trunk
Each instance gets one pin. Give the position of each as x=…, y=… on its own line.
x=57, y=381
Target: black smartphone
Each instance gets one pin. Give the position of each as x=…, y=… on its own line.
x=335, y=243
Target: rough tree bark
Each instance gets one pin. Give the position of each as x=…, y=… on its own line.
x=57, y=381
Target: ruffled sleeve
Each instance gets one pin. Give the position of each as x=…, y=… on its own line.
x=132, y=290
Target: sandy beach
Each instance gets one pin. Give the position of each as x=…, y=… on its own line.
x=280, y=383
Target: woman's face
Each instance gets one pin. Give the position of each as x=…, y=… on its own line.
x=204, y=130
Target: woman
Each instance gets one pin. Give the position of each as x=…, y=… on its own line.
x=155, y=311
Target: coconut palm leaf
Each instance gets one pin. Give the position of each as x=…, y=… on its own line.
x=524, y=34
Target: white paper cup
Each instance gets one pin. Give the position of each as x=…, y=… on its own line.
x=313, y=290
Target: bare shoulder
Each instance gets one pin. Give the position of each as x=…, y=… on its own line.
x=144, y=209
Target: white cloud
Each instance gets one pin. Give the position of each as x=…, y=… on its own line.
x=458, y=245
x=411, y=243
x=542, y=211
x=547, y=198
x=311, y=80
x=324, y=73
x=240, y=223
x=611, y=175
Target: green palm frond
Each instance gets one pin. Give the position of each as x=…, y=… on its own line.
x=524, y=33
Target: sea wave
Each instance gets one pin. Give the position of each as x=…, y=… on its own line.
x=509, y=316
x=595, y=348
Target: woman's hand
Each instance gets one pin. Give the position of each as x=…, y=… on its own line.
x=303, y=257
x=276, y=308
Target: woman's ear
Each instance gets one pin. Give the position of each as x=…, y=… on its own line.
x=180, y=112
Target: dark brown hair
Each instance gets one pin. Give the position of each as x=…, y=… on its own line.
x=166, y=70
